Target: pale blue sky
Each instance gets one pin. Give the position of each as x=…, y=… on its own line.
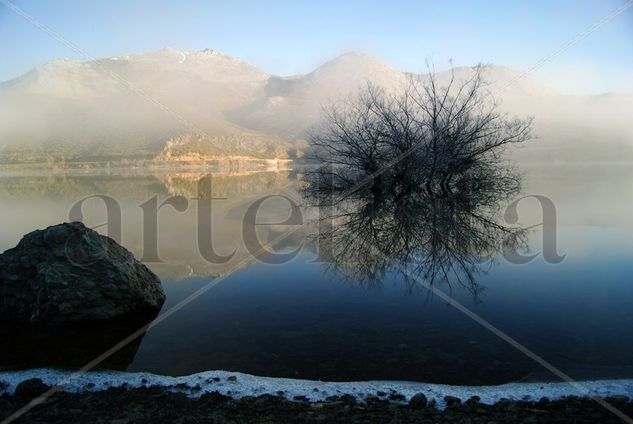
x=289, y=37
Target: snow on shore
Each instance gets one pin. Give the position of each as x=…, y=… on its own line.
x=239, y=385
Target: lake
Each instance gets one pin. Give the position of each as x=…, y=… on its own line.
x=299, y=317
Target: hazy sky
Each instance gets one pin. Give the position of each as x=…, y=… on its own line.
x=289, y=37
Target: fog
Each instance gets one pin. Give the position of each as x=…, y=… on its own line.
x=128, y=107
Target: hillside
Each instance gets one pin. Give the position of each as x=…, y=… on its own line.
x=127, y=106
x=152, y=106
x=292, y=104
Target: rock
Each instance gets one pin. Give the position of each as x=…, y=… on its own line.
x=31, y=388
x=348, y=400
x=68, y=273
x=452, y=401
x=618, y=398
x=473, y=401
x=397, y=397
x=418, y=401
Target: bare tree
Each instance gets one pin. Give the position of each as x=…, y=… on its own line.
x=442, y=138
x=416, y=178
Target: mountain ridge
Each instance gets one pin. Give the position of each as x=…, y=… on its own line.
x=134, y=104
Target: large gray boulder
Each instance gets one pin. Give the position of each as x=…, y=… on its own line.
x=68, y=273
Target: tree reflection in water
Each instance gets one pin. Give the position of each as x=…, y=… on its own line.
x=449, y=238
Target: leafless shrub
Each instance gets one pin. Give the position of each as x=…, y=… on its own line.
x=414, y=181
x=442, y=138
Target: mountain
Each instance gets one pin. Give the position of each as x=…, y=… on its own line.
x=128, y=105
x=292, y=104
x=198, y=104
x=206, y=77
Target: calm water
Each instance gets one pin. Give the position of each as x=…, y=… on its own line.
x=307, y=320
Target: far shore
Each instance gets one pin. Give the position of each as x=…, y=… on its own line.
x=224, y=166
x=107, y=168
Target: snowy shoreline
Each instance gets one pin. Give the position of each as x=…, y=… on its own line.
x=239, y=385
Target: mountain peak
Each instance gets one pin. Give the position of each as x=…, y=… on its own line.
x=355, y=56
x=354, y=69
x=352, y=53
x=354, y=60
x=212, y=52
x=168, y=49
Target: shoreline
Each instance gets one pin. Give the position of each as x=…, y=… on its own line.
x=171, y=167
x=187, y=399
x=238, y=385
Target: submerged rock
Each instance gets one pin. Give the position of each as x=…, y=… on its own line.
x=68, y=273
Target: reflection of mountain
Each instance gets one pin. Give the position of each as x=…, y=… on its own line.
x=123, y=186
x=203, y=105
x=230, y=196
x=229, y=185
x=142, y=185
x=51, y=197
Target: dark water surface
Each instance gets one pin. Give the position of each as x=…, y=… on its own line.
x=302, y=319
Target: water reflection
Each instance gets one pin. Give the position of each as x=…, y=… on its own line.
x=294, y=321
x=449, y=237
x=47, y=199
